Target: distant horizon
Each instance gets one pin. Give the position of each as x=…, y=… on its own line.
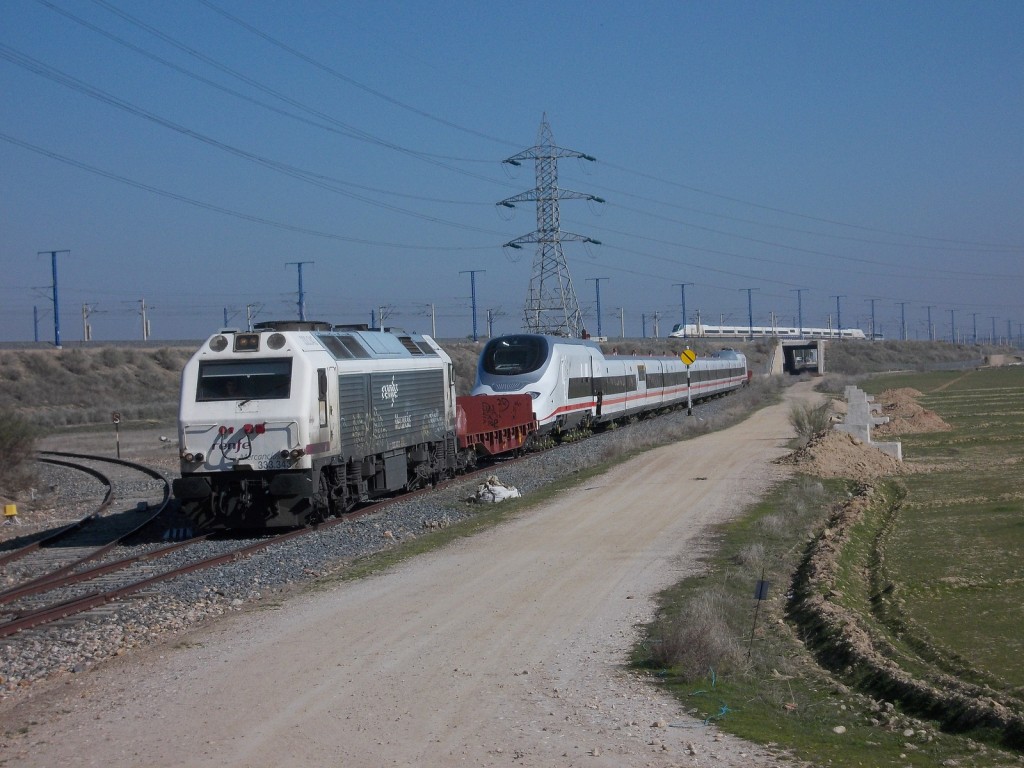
x=206, y=159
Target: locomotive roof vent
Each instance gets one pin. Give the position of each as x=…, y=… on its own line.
x=292, y=325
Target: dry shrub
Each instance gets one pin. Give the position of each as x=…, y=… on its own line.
x=698, y=639
x=464, y=355
x=75, y=361
x=773, y=525
x=810, y=490
x=17, y=447
x=41, y=364
x=836, y=383
x=10, y=368
x=170, y=359
x=751, y=556
x=112, y=357
x=810, y=420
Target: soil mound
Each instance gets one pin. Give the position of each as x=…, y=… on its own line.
x=838, y=454
x=906, y=415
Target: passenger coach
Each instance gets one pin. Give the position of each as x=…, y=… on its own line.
x=571, y=381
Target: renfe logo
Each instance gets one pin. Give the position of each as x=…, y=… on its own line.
x=389, y=392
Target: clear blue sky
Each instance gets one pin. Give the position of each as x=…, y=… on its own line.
x=185, y=153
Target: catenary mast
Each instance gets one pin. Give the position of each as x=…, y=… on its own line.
x=551, y=305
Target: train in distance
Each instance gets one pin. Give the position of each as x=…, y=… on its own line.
x=701, y=331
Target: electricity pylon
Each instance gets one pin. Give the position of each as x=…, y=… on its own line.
x=551, y=305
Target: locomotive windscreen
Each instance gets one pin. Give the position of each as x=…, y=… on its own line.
x=244, y=380
x=514, y=355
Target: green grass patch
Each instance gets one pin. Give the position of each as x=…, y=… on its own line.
x=956, y=550
x=932, y=572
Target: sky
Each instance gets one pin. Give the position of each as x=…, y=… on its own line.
x=791, y=161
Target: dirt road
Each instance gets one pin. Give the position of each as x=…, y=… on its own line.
x=507, y=649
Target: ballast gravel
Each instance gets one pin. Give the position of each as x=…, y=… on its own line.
x=72, y=646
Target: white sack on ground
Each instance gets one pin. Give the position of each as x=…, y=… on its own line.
x=493, y=490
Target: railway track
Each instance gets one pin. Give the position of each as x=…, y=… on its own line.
x=169, y=604
x=88, y=564
x=77, y=568
x=127, y=498
x=103, y=526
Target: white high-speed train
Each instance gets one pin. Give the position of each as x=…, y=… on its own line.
x=572, y=381
x=699, y=330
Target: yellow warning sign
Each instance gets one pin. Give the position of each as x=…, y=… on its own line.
x=688, y=356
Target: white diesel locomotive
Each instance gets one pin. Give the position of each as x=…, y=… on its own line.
x=297, y=421
x=572, y=382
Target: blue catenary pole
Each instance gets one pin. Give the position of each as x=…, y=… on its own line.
x=682, y=287
x=472, y=288
x=597, y=287
x=302, y=293
x=800, y=311
x=56, y=297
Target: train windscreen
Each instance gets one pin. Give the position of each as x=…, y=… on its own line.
x=244, y=380
x=514, y=355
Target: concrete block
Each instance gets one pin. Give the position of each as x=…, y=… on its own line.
x=860, y=418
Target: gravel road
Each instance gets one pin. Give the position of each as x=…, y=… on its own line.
x=506, y=649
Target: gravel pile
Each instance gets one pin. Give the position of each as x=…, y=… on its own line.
x=74, y=646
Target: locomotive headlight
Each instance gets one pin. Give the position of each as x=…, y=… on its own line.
x=218, y=343
x=187, y=456
x=297, y=453
x=275, y=341
x=285, y=453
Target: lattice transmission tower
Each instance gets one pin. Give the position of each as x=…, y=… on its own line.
x=551, y=305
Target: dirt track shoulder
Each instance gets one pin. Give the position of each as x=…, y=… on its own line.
x=506, y=648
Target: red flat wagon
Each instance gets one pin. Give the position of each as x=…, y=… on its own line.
x=494, y=424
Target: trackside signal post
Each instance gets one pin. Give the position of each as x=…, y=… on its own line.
x=689, y=357
x=116, y=418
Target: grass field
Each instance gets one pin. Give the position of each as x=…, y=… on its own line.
x=930, y=575
x=956, y=549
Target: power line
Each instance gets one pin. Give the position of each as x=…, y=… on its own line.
x=228, y=211
x=320, y=180
x=802, y=215
x=963, y=245
x=332, y=124
x=345, y=78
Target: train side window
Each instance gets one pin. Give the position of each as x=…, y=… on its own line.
x=321, y=386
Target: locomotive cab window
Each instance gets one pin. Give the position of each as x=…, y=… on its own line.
x=514, y=355
x=244, y=380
